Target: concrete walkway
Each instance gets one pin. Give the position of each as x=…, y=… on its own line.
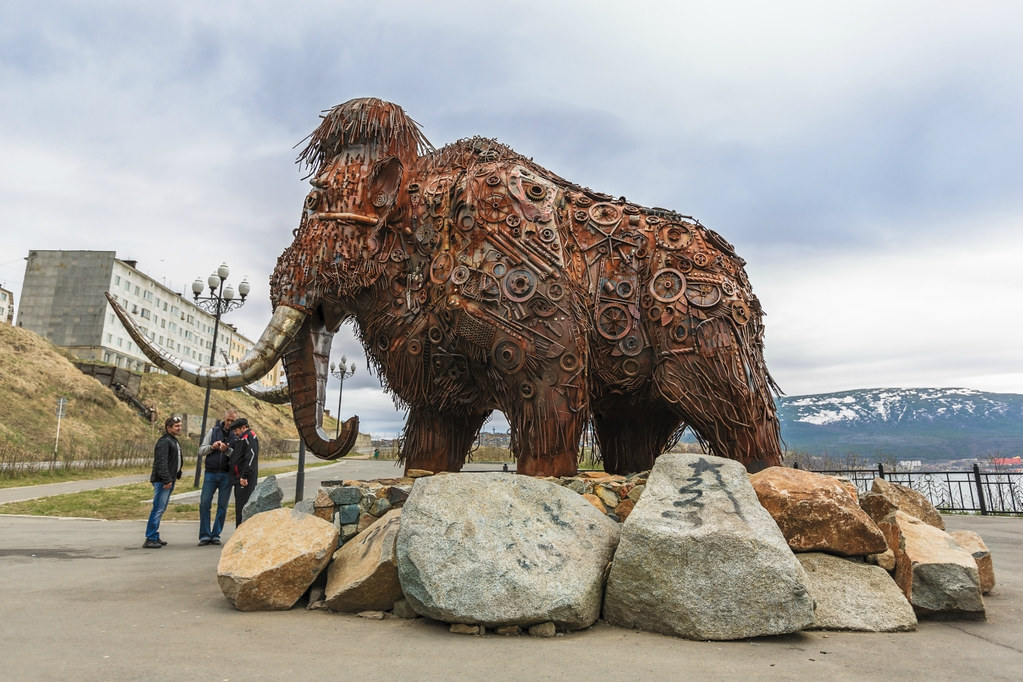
x=80, y=599
x=362, y=469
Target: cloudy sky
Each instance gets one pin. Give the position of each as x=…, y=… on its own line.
x=866, y=158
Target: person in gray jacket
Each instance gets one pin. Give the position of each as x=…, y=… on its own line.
x=166, y=471
x=216, y=449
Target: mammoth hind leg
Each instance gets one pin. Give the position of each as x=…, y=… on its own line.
x=631, y=438
x=736, y=419
x=439, y=441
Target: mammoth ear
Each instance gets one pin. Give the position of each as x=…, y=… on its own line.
x=384, y=181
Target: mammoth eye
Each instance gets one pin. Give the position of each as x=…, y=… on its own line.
x=312, y=201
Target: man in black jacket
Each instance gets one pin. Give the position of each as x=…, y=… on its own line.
x=244, y=465
x=166, y=470
x=216, y=448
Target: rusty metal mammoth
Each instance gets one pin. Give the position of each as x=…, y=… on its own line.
x=478, y=281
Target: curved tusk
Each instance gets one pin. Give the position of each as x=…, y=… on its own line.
x=278, y=395
x=279, y=332
x=324, y=448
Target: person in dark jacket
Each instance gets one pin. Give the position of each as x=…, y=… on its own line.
x=166, y=470
x=244, y=465
x=216, y=448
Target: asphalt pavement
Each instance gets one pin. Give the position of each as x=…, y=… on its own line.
x=80, y=599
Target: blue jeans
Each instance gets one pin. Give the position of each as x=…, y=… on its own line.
x=221, y=484
x=161, y=496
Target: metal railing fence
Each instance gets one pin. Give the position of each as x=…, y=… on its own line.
x=986, y=492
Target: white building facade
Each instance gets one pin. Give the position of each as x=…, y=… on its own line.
x=6, y=306
x=62, y=299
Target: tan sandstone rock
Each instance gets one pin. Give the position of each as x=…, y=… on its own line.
x=973, y=544
x=596, y=502
x=909, y=501
x=364, y=573
x=273, y=558
x=816, y=513
x=939, y=577
x=323, y=507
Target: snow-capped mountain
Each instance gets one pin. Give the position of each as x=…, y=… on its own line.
x=905, y=423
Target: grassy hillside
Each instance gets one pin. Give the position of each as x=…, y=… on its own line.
x=98, y=426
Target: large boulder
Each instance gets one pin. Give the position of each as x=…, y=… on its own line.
x=939, y=577
x=851, y=595
x=267, y=495
x=816, y=513
x=273, y=558
x=701, y=558
x=495, y=549
x=363, y=575
x=974, y=544
x=909, y=501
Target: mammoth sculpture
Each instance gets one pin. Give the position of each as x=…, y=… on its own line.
x=478, y=281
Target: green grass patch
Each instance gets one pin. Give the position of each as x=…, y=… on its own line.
x=65, y=475
x=121, y=503
x=124, y=502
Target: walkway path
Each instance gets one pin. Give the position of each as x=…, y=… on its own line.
x=82, y=600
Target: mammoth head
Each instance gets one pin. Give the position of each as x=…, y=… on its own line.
x=357, y=158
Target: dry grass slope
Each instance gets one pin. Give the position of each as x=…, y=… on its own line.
x=34, y=373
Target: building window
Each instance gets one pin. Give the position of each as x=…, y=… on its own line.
x=117, y=280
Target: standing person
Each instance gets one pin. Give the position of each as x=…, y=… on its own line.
x=216, y=448
x=166, y=470
x=244, y=465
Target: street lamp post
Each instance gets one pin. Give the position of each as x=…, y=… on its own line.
x=341, y=372
x=220, y=301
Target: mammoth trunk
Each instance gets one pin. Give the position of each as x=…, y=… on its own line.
x=306, y=366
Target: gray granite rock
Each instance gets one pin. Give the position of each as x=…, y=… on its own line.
x=701, y=558
x=306, y=506
x=267, y=495
x=345, y=494
x=852, y=595
x=347, y=513
x=496, y=550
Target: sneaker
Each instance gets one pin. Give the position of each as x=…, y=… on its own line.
x=215, y=541
x=151, y=544
x=203, y=543
x=163, y=543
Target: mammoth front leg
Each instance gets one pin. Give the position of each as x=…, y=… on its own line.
x=725, y=397
x=439, y=441
x=631, y=438
x=545, y=429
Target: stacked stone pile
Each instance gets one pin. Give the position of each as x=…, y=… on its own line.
x=700, y=550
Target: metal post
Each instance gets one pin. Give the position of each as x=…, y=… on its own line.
x=206, y=404
x=61, y=402
x=340, y=388
x=300, y=477
x=340, y=372
x=880, y=470
x=980, y=490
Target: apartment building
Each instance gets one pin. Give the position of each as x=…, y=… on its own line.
x=62, y=299
x=6, y=306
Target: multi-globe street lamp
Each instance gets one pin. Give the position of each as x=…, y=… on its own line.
x=341, y=372
x=220, y=301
